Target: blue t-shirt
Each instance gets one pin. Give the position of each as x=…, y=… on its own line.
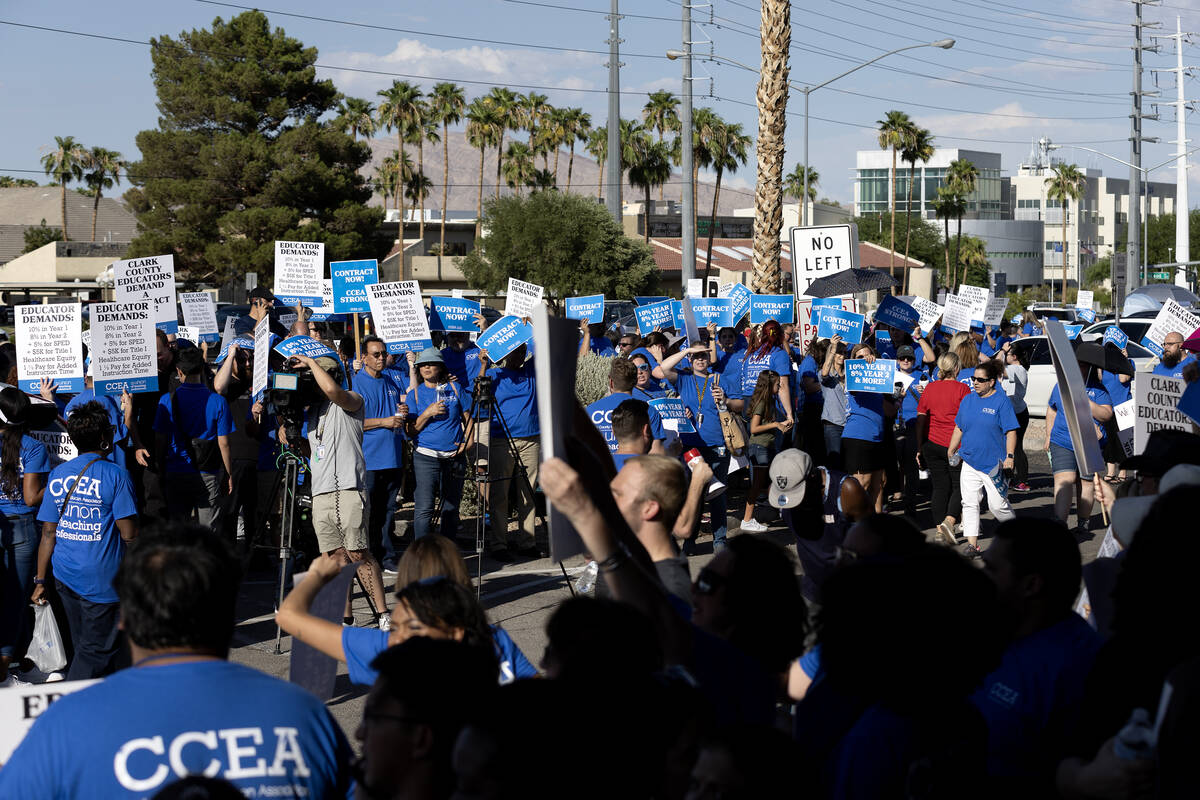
x=361, y=645
x=1031, y=701
x=696, y=394
x=115, y=418
x=984, y=421
x=445, y=431
x=140, y=729
x=88, y=548
x=1117, y=391
x=204, y=414
x=1059, y=433
x=515, y=391
x=383, y=448
x=601, y=416
x=463, y=366
x=1175, y=371
x=33, y=459
x=864, y=419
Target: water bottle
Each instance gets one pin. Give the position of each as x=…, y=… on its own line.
x=586, y=581
x=1136, y=739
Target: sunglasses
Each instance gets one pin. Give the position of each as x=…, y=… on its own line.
x=708, y=582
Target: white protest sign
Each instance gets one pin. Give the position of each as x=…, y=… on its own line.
x=200, y=312
x=150, y=278
x=977, y=297
x=930, y=313
x=125, y=356
x=1126, y=414
x=994, y=314
x=522, y=298
x=399, y=315
x=299, y=270
x=262, y=351
x=957, y=314
x=49, y=345
x=58, y=444
x=20, y=706
x=822, y=250
x=1172, y=318
x=1156, y=401
x=1084, y=298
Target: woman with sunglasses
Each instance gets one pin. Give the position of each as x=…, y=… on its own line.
x=985, y=435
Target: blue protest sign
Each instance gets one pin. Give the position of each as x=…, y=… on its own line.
x=243, y=343
x=896, y=313
x=452, y=314
x=590, y=308
x=1114, y=335
x=739, y=296
x=670, y=409
x=1072, y=330
x=846, y=324
x=350, y=279
x=505, y=335
x=713, y=309
x=779, y=307
x=303, y=346
x=648, y=301
x=877, y=376
x=656, y=315
x=1189, y=402
x=1086, y=314
x=883, y=345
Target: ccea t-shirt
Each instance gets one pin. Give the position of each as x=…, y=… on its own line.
x=515, y=391
x=203, y=414
x=143, y=728
x=383, y=448
x=88, y=548
x=696, y=393
x=1172, y=372
x=361, y=645
x=940, y=401
x=864, y=419
x=115, y=418
x=1060, y=434
x=601, y=414
x=463, y=366
x=33, y=460
x=984, y=421
x=445, y=431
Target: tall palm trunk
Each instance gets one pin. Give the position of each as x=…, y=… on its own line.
x=775, y=32
x=712, y=225
x=62, y=182
x=479, y=205
x=570, y=166
x=95, y=211
x=1063, y=298
x=445, y=189
x=912, y=168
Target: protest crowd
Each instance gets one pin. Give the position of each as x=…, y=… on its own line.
x=825, y=647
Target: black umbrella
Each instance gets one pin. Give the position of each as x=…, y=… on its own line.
x=1106, y=357
x=851, y=281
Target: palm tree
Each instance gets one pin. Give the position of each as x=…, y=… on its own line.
x=356, y=115
x=918, y=146
x=65, y=163
x=104, y=169
x=422, y=129
x=1065, y=185
x=775, y=30
x=730, y=148
x=948, y=205
x=400, y=107
x=597, y=147
x=446, y=104
x=518, y=166
x=483, y=131
x=579, y=127
x=961, y=175
x=650, y=167
x=793, y=183
x=504, y=102
x=892, y=130
x=660, y=115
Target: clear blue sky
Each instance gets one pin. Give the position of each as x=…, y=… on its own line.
x=1020, y=70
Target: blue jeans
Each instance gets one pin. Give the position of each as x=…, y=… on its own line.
x=94, y=635
x=382, y=488
x=18, y=558
x=436, y=477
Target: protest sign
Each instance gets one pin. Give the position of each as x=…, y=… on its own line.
x=49, y=345
x=739, y=297
x=1086, y=314
x=957, y=314
x=779, y=307
x=1084, y=299
x=1172, y=318
x=896, y=313
x=151, y=278
x=876, y=376
x=399, y=316
x=713, y=309
x=125, y=356
x=930, y=313
x=1116, y=336
x=299, y=270
x=590, y=308
x=324, y=312
x=821, y=250
x=671, y=411
x=846, y=324
x=22, y=704
x=556, y=404
x=994, y=314
x=522, y=298
x=304, y=346
x=977, y=297
x=262, y=346
x=58, y=444
x=1126, y=414
x=651, y=317
x=350, y=280
x=1156, y=400
x=1075, y=403
x=883, y=345
x=1072, y=331
x=200, y=313
x=649, y=301
x=453, y=314
x=505, y=335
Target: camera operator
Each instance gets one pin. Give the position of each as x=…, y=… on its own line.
x=335, y=439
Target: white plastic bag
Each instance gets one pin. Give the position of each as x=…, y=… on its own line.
x=46, y=650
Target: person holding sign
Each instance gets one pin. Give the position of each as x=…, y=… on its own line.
x=862, y=438
x=439, y=427
x=1062, y=450
x=764, y=409
x=985, y=436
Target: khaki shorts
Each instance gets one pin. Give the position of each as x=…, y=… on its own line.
x=337, y=519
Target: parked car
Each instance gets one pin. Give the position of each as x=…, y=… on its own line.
x=1042, y=378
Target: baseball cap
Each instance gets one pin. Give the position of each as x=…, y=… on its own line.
x=261, y=293
x=1164, y=449
x=789, y=470
x=905, y=351
x=1128, y=512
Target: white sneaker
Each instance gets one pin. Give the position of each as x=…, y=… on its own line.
x=754, y=526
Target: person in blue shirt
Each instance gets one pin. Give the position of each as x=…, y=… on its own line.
x=88, y=515
x=438, y=426
x=622, y=375
x=985, y=435
x=24, y=464
x=384, y=413
x=1172, y=361
x=461, y=356
x=1063, y=463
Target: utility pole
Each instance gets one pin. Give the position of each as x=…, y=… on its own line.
x=1134, y=244
x=613, y=195
x=687, y=257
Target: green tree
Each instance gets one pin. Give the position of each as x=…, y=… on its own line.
x=1065, y=184
x=484, y=130
x=793, y=182
x=961, y=176
x=564, y=242
x=103, y=171
x=241, y=158
x=447, y=102
x=40, y=235
x=65, y=163
x=400, y=109
x=356, y=116
x=893, y=129
x=729, y=148
x=918, y=146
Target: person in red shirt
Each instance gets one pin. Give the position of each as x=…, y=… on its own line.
x=935, y=425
